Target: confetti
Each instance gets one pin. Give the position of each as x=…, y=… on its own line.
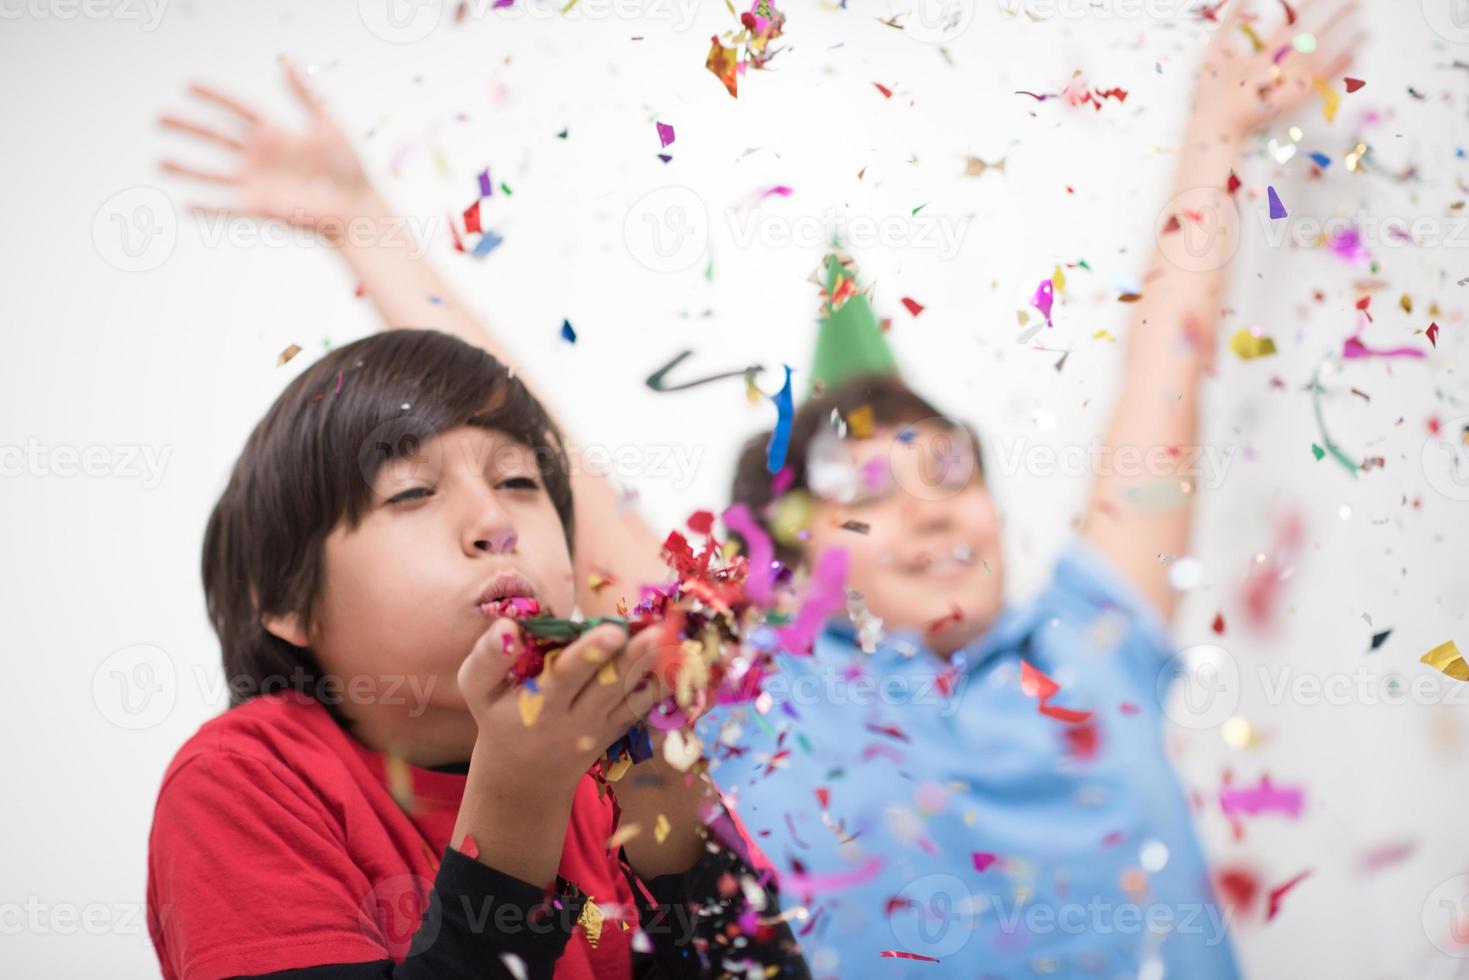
x=913, y=306
x=567, y=333
x=530, y=706
x=469, y=847
x=1037, y=685
x=665, y=134
x=658, y=380
x=1248, y=344
x=1353, y=348
x=1277, y=210
x=898, y=954
x=1278, y=893
x=982, y=860
x=514, y=965
x=1353, y=84
x=780, y=436
x=1264, y=798
x=1044, y=296
x=1432, y=332
x=287, y=354
x=1331, y=98
x=1446, y=658
x=661, y=829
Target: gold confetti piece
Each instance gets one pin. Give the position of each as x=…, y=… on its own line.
x=1406, y=302
x=1104, y=335
x=1058, y=280
x=619, y=769
x=1330, y=96
x=681, y=750
x=530, y=706
x=584, y=743
x=1255, y=41
x=591, y=918
x=661, y=829
x=400, y=782
x=1249, y=345
x=287, y=354
x=860, y=422
x=1447, y=658
x=622, y=835
x=607, y=674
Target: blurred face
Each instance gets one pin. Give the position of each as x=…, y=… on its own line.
x=930, y=558
x=453, y=535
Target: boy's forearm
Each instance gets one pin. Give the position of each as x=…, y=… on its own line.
x=518, y=823
x=1170, y=345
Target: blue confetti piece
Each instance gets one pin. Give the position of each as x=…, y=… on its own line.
x=1321, y=160
x=487, y=243
x=1277, y=210
x=567, y=334
x=780, y=438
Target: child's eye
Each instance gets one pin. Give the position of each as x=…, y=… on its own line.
x=413, y=493
x=520, y=483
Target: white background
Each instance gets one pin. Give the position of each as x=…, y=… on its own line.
x=178, y=360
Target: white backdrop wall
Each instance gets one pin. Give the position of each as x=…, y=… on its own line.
x=134, y=327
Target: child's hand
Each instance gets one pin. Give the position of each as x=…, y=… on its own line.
x=1239, y=92
x=539, y=743
x=310, y=178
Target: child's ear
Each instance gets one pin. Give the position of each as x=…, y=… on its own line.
x=287, y=627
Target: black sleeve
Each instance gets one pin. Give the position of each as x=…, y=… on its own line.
x=688, y=917
x=477, y=920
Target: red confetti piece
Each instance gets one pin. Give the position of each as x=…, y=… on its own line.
x=1353, y=84
x=1278, y=893
x=468, y=847
x=1037, y=685
x=898, y=954
x=914, y=307
x=1128, y=708
x=1218, y=626
x=983, y=859
x=701, y=521
x=1433, y=334
x=1290, y=15
x=955, y=616
x=887, y=93
x=1233, y=184
x=471, y=218
x=1362, y=305
x=823, y=796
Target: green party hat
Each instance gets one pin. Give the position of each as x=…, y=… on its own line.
x=849, y=341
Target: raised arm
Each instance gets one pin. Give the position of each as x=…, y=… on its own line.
x=1142, y=498
x=310, y=177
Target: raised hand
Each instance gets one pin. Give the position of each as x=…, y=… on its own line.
x=1240, y=91
x=309, y=176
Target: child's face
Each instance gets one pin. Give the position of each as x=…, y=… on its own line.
x=931, y=530
x=402, y=591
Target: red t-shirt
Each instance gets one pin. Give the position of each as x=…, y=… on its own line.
x=277, y=844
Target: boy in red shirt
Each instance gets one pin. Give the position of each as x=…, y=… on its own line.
x=382, y=799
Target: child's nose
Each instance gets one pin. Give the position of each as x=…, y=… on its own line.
x=491, y=529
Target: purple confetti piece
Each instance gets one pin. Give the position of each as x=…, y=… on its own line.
x=485, y=189
x=1277, y=210
x=1265, y=798
x=665, y=133
x=762, y=553
x=1045, y=295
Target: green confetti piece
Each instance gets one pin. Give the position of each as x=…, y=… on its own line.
x=1318, y=452
x=504, y=188
x=920, y=207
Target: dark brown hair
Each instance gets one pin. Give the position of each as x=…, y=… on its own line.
x=310, y=463
x=893, y=404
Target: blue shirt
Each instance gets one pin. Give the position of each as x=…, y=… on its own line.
x=968, y=826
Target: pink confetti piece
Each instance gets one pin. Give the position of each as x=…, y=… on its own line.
x=836, y=881
x=983, y=859
x=1354, y=348
x=665, y=133
x=825, y=596
x=762, y=553
x=1264, y=798
x=1278, y=893
x=1045, y=295
x=898, y=954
